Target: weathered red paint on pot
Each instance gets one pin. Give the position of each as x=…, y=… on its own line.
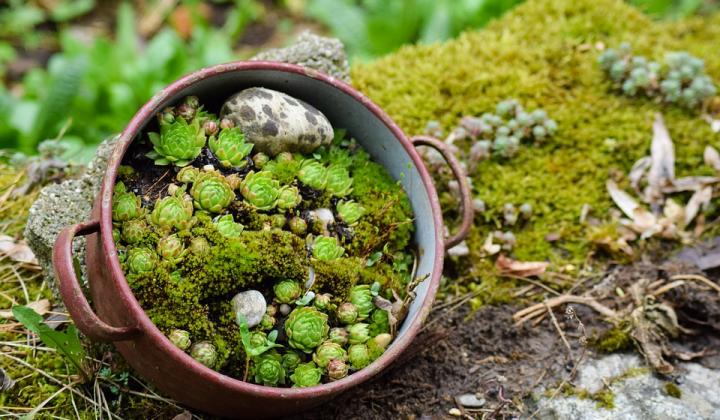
x=117, y=317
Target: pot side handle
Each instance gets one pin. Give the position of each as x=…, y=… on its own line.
x=465, y=194
x=75, y=302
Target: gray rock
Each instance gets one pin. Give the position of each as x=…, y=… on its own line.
x=285, y=309
x=251, y=304
x=316, y=52
x=61, y=205
x=640, y=396
x=275, y=122
x=470, y=401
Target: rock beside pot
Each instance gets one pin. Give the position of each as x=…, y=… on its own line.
x=275, y=122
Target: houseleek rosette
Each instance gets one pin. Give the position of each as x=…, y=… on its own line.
x=298, y=225
x=205, y=353
x=174, y=211
x=337, y=369
x=347, y=313
x=358, y=356
x=180, y=338
x=313, y=174
x=322, y=301
x=339, y=182
x=171, y=248
x=287, y=291
x=306, y=328
x=141, y=260
x=134, y=231
x=338, y=335
x=260, y=190
x=211, y=192
x=306, y=375
x=327, y=248
x=288, y=197
x=227, y=226
x=291, y=360
x=178, y=142
x=358, y=333
x=350, y=211
x=328, y=351
x=126, y=205
x=380, y=322
x=361, y=296
x=230, y=148
x=269, y=370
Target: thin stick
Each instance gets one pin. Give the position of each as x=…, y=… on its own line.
x=697, y=277
x=534, y=283
x=48, y=399
x=666, y=288
x=559, y=330
x=528, y=313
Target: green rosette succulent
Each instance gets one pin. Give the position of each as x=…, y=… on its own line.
x=358, y=356
x=313, y=174
x=258, y=339
x=141, y=260
x=306, y=328
x=229, y=148
x=211, y=192
x=347, y=313
x=358, y=333
x=269, y=371
x=377, y=345
x=287, y=291
x=180, y=338
x=260, y=190
x=199, y=246
x=171, y=248
x=323, y=301
x=328, y=351
x=306, y=375
x=339, y=182
x=338, y=335
x=278, y=220
x=260, y=159
x=379, y=322
x=291, y=360
x=178, y=142
x=361, y=296
x=350, y=211
x=134, y=231
x=227, y=226
x=116, y=235
x=188, y=174
x=126, y=205
x=337, y=369
x=326, y=248
x=288, y=197
x=298, y=225
x=174, y=211
x=205, y=353
x=267, y=323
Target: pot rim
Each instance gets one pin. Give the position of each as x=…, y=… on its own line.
x=143, y=321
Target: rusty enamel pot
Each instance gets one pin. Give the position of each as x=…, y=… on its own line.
x=116, y=316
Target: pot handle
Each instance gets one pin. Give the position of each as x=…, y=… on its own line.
x=461, y=177
x=75, y=302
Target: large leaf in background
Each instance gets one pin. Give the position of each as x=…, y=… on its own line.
x=69, y=9
x=391, y=24
x=673, y=9
x=347, y=21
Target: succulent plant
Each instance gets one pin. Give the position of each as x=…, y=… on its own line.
x=258, y=339
x=358, y=356
x=260, y=190
x=339, y=182
x=377, y=345
x=306, y=375
x=134, y=231
x=178, y=142
x=287, y=291
x=288, y=197
x=347, y=313
x=298, y=226
x=199, y=246
x=260, y=159
x=126, y=205
x=313, y=174
x=338, y=335
x=116, y=235
x=337, y=369
x=141, y=260
x=267, y=323
x=180, y=338
x=230, y=148
x=269, y=370
x=174, y=211
x=326, y=248
x=328, y=351
x=322, y=301
x=227, y=226
x=350, y=211
x=205, y=353
x=379, y=322
x=306, y=328
x=291, y=360
x=211, y=127
x=361, y=296
x=188, y=108
x=211, y=192
x=171, y=248
x=358, y=333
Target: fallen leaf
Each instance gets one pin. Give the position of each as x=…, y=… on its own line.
x=520, y=268
x=638, y=171
x=41, y=306
x=712, y=157
x=690, y=183
x=489, y=247
x=623, y=200
x=662, y=166
x=699, y=200
x=17, y=250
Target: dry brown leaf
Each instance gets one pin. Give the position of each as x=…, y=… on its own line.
x=41, y=306
x=712, y=157
x=520, y=268
x=699, y=200
x=638, y=171
x=623, y=200
x=662, y=166
x=17, y=250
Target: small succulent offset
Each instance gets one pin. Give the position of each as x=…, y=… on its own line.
x=141, y=260
x=337, y=369
x=171, y=248
x=313, y=174
x=211, y=192
x=134, y=231
x=180, y=338
x=328, y=351
x=205, y=353
x=287, y=291
x=227, y=226
x=291, y=360
x=230, y=148
x=339, y=182
x=322, y=301
x=306, y=375
x=326, y=248
x=358, y=356
x=358, y=333
x=298, y=225
x=350, y=211
x=338, y=335
x=126, y=205
x=347, y=313
x=361, y=296
x=260, y=190
x=269, y=370
x=174, y=211
x=306, y=328
x=178, y=142
x=288, y=197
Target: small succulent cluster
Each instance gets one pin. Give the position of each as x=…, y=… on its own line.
x=197, y=242
x=680, y=80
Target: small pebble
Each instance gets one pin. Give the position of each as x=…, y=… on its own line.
x=251, y=304
x=470, y=401
x=479, y=205
x=455, y=412
x=552, y=237
x=285, y=309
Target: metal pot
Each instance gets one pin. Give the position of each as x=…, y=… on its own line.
x=118, y=318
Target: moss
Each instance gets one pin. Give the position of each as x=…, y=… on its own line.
x=672, y=390
x=337, y=277
x=543, y=54
x=615, y=339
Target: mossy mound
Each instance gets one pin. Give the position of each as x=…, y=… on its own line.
x=545, y=54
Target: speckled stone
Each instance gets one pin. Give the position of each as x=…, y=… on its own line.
x=251, y=304
x=275, y=122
